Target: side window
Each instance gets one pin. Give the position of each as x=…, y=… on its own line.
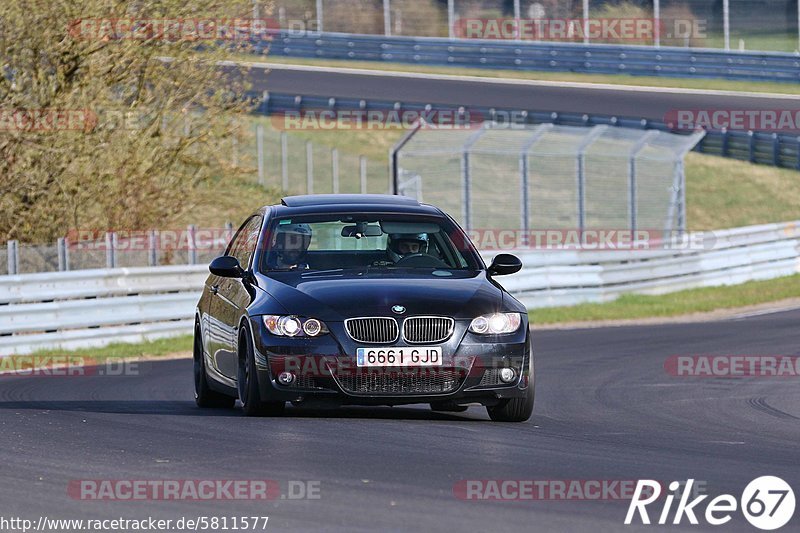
x=244, y=244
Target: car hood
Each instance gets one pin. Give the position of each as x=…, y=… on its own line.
x=335, y=297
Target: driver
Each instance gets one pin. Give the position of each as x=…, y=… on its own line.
x=291, y=246
x=404, y=245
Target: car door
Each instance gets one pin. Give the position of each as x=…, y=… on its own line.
x=232, y=298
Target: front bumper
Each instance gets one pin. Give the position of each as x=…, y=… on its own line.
x=326, y=373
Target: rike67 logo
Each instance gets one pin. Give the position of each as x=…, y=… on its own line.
x=767, y=503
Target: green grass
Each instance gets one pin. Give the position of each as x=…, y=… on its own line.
x=154, y=348
x=725, y=193
x=633, y=306
x=614, y=79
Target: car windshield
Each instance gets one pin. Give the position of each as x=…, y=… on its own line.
x=327, y=242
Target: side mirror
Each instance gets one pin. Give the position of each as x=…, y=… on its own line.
x=226, y=267
x=505, y=264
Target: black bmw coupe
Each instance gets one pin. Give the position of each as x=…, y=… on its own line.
x=360, y=299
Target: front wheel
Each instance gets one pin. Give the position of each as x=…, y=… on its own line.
x=515, y=409
x=247, y=382
x=203, y=395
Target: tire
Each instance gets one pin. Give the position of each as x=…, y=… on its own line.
x=515, y=409
x=247, y=382
x=444, y=407
x=203, y=395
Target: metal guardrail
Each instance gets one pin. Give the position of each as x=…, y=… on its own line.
x=85, y=308
x=558, y=57
x=780, y=150
x=69, y=310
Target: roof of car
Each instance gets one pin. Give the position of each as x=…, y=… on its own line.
x=343, y=203
x=351, y=199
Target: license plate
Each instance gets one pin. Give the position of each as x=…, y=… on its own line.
x=404, y=356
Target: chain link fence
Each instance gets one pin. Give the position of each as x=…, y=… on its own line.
x=768, y=25
x=549, y=177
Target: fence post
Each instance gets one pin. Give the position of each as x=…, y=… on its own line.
x=191, y=243
x=657, y=23
x=152, y=248
x=260, y=147
x=362, y=170
x=585, y=21
x=726, y=24
x=595, y=132
x=319, y=16
x=466, y=179
x=335, y=169
x=394, y=155
x=13, y=257
x=387, y=18
x=309, y=167
x=517, y=19
x=111, y=252
x=284, y=161
x=63, y=254
x=632, y=199
x=524, y=164
x=451, y=18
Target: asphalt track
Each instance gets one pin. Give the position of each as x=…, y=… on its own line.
x=573, y=98
x=606, y=410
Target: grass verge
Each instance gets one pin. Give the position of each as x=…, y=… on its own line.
x=154, y=348
x=707, y=299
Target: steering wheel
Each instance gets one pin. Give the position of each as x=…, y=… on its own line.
x=421, y=260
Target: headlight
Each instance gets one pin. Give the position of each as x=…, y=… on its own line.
x=495, y=324
x=294, y=326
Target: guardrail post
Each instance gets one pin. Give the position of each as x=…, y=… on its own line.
x=152, y=248
x=309, y=167
x=13, y=257
x=335, y=169
x=191, y=243
x=111, y=249
x=284, y=161
x=260, y=147
x=724, y=142
x=797, y=155
x=63, y=254
x=776, y=150
x=362, y=171
x=751, y=147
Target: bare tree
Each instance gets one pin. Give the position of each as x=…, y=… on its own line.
x=112, y=111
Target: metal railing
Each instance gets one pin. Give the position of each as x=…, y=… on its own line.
x=68, y=310
x=557, y=57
